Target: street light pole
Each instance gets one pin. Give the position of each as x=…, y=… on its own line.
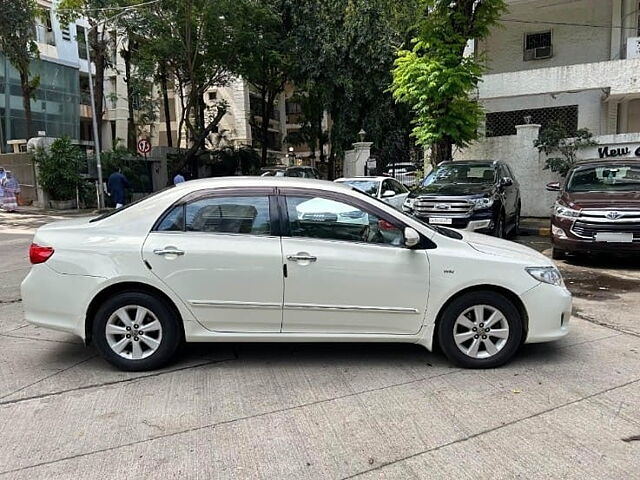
x=94, y=120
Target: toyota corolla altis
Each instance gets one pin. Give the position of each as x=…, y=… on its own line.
x=275, y=259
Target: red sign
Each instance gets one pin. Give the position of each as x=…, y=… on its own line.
x=144, y=146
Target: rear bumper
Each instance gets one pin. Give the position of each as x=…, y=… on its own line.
x=549, y=311
x=58, y=301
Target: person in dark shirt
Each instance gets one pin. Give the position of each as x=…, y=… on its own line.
x=116, y=186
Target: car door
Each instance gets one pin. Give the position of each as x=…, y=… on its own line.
x=220, y=253
x=348, y=271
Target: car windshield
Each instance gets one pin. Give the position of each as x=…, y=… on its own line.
x=110, y=213
x=462, y=173
x=610, y=178
x=370, y=187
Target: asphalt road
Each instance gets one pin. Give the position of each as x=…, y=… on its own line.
x=565, y=410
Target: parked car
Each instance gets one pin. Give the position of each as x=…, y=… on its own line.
x=302, y=172
x=276, y=259
x=482, y=196
x=388, y=190
x=598, y=209
x=404, y=172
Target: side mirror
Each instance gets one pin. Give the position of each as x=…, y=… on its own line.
x=388, y=194
x=506, y=181
x=411, y=237
x=553, y=187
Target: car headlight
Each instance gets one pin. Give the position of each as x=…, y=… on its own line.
x=549, y=275
x=480, y=203
x=408, y=203
x=566, y=212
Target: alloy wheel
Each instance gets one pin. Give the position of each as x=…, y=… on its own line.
x=133, y=332
x=481, y=331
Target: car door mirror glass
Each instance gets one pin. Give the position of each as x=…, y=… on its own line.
x=553, y=187
x=388, y=194
x=411, y=237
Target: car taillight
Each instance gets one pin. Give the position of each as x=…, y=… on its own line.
x=39, y=254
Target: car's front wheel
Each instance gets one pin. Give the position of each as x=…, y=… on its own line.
x=480, y=330
x=136, y=331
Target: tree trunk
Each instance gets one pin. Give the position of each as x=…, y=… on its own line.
x=26, y=102
x=131, y=124
x=264, y=128
x=165, y=102
x=441, y=151
x=190, y=157
x=320, y=135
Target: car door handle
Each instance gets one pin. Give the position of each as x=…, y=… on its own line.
x=168, y=251
x=301, y=258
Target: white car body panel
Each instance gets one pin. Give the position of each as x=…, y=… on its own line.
x=90, y=257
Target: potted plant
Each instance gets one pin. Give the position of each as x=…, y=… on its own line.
x=58, y=172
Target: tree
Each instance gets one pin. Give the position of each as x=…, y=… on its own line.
x=17, y=42
x=556, y=139
x=58, y=169
x=264, y=30
x=437, y=80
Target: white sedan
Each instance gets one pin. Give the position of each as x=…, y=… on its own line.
x=389, y=190
x=249, y=260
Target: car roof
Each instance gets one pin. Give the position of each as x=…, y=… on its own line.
x=365, y=178
x=282, y=182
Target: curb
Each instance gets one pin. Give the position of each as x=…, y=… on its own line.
x=536, y=231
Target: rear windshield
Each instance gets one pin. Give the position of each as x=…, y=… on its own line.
x=616, y=178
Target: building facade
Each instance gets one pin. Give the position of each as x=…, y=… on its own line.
x=575, y=62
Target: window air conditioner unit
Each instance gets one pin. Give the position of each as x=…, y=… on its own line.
x=538, y=53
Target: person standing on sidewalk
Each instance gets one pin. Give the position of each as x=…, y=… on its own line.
x=11, y=189
x=116, y=186
x=179, y=178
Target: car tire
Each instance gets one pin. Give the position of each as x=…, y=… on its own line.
x=558, y=254
x=483, y=347
x=120, y=337
x=515, y=231
x=499, y=228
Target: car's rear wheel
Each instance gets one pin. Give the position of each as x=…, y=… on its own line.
x=480, y=330
x=136, y=331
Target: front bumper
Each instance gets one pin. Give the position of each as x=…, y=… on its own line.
x=478, y=222
x=58, y=301
x=549, y=311
x=563, y=238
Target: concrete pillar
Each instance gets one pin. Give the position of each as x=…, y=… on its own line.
x=355, y=161
x=616, y=30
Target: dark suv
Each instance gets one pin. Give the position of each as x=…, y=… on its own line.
x=598, y=209
x=478, y=195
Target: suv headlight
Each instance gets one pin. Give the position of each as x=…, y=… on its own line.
x=480, y=203
x=408, y=204
x=549, y=275
x=565, y=212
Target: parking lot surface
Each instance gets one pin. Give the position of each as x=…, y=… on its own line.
x=569, y=409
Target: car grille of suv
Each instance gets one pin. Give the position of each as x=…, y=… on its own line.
x=591, y=222
x=441, y=206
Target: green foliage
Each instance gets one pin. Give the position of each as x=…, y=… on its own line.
x=226, y=161
x=58, y=169
x=436, y=79
x=132, y=166
x=556, y=139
